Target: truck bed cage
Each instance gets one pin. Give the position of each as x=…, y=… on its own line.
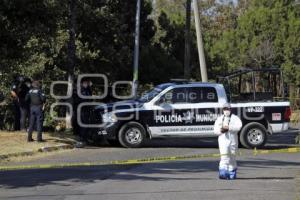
x=245, y=84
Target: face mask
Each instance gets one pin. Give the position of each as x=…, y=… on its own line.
x=28, y=85
x=227, y=113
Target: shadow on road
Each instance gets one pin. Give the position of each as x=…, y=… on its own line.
x=267, y=178
x=149, y=172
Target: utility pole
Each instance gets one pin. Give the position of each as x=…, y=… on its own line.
x=187, y=46
x=203, y=69
x=136, y=49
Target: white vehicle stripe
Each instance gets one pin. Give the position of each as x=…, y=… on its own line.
x=204, y=130
x=264, y=104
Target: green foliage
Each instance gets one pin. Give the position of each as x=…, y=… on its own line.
x=34, y=36
x=34, y=39
x=266, y=35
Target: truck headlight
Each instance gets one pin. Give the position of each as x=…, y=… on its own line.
x=109, y=118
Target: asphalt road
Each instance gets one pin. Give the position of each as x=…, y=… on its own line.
x=269, y=176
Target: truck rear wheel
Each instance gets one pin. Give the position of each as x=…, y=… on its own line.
x=132, y=135
x=253, y=135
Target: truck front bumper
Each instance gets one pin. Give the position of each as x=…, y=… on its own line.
x=109, y=131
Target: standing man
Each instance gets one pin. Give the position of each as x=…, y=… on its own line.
x=24, y=105
x=227, y=127
x=37, y=99
x=84, y=114
x=15, y=100
x=19, y=89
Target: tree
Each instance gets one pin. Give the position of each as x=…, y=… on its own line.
x=24, y=37
x=266, y=35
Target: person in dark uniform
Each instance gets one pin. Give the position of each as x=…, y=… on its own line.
x=19, y=89
x=85, y=89
x=15, y=100
x=75, y=104
x=24, y=105
x=37, y=99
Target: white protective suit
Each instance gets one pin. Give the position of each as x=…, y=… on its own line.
x=228, y=142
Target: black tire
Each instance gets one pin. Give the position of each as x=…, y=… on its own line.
x=132, y=135
x=253, y=135
x=113, y=142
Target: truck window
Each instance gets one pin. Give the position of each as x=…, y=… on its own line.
x=202, y=94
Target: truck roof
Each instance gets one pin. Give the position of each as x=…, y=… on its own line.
x=188, y=84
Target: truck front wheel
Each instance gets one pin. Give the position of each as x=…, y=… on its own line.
x=253, y=135
x=132, y=135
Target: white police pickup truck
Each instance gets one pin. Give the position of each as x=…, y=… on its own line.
x=187, y=110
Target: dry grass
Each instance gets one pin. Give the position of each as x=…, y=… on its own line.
x=36, y=156
x=295, y=118
x=16, y=142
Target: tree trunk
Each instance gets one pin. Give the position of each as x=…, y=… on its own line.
x=71, y=54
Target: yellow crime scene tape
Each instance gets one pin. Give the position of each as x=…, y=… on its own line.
x=143, y=160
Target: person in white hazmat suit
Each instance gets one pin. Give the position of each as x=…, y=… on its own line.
x=227, y=127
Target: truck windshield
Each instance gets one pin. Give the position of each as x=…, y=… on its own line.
x=149, y=95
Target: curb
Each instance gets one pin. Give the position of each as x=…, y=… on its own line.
x=55, y=148
x=40, y=150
